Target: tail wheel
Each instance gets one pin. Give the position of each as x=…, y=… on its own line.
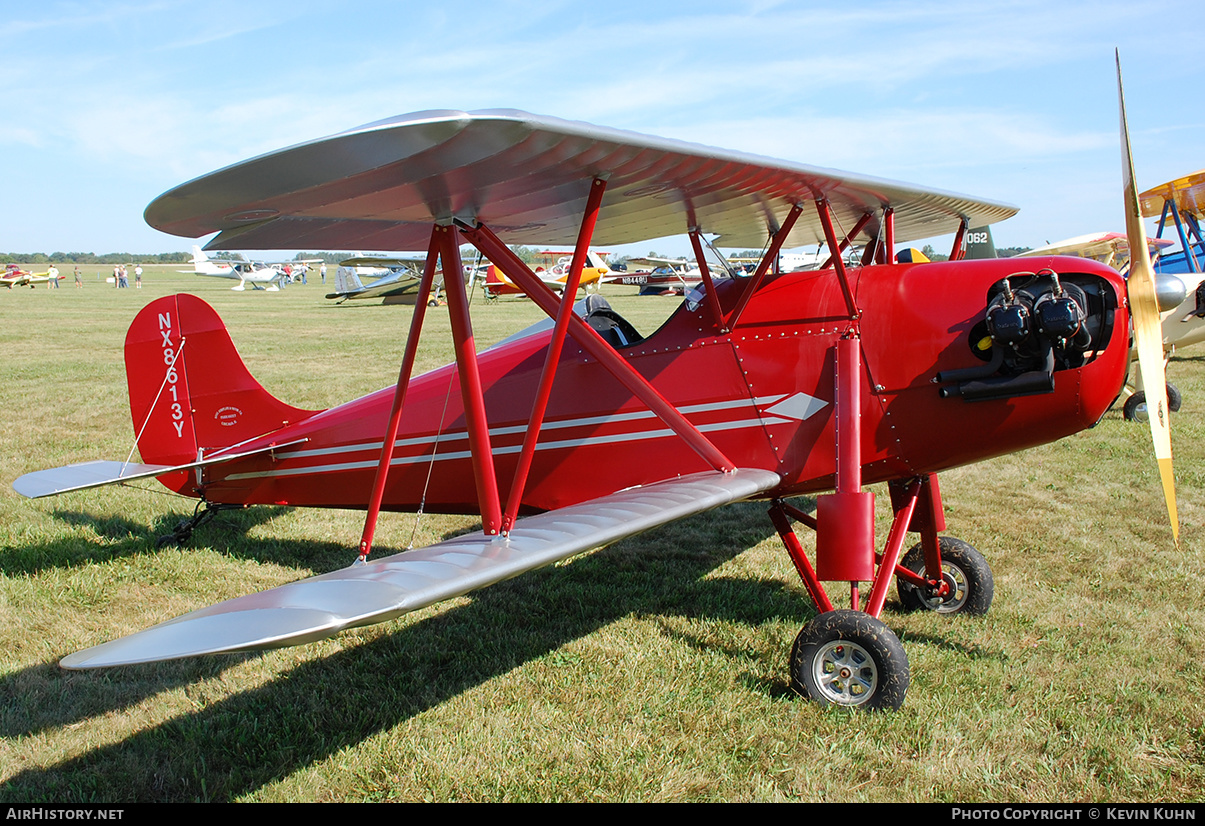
x=848, y=658
x=1135, y=406
x=965, y=571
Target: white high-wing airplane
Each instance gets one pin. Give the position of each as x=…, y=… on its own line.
x=659, y=275
x=261, y=275
x=203, y=265
x=801, y=261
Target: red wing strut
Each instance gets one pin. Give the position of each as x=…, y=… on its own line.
x=312, y=609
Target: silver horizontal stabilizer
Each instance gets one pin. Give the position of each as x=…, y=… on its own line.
x=97, y=474
x=311, y=609
x=84, y=475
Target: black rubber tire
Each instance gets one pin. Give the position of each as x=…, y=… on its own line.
x=850, y=659
x=970, y=577
x=1130, y=408
x=1174, y=400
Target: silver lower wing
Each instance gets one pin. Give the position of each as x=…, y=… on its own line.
x=312, y=609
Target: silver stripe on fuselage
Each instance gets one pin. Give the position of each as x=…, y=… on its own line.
x=590, y=441
x=510, y=429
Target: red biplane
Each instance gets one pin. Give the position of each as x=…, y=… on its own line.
x=583, y=430
x=14, y=276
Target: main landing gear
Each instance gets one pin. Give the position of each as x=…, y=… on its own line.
x=849, y=657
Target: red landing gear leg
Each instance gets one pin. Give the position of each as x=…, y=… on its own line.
x=847, y=657
x=939, y=573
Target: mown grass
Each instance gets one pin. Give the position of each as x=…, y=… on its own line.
x=651, y=670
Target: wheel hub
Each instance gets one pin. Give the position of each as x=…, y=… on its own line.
x=948, y=599
x=845, y=673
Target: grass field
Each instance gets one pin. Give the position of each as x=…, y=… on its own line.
x=652, y=670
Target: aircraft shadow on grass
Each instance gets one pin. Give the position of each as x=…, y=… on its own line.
x=126, y=538
x=234, y=747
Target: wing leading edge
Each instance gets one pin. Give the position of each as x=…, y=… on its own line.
x=527, y=177
x=319, y=607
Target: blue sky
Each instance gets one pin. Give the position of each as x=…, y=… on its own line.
x=108, y=104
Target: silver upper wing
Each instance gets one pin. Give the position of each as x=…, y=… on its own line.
x=526, y=176
x=319, y=607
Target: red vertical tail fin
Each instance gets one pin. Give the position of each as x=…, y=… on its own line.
x=190, y=393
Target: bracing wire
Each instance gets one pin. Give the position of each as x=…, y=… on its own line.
x=418, y=514
x=147, y=420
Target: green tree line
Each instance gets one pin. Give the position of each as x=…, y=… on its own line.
x=93, y=258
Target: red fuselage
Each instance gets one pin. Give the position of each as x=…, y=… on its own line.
x=763, y=394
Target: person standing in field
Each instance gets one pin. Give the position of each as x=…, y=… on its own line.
x=138, y=276
x=53, y=283
x=322, y=270
x=79, y=279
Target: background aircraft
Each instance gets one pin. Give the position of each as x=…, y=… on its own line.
x=658, y=276
x=1181, y=322
x=261, y=275
x=1109, y=248
x=768, y=386
x=14, y=276
x=394, y=277
x=978, y=244
x=1183, y=201
x=554, y=276
x=676, y=276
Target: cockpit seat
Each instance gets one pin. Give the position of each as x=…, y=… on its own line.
x=614, y=328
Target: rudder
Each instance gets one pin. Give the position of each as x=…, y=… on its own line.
x=346, y=281
x=190, y=393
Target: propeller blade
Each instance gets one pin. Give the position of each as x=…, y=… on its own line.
x=1144, y=311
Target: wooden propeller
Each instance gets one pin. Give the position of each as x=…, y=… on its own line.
x=1144, y=310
